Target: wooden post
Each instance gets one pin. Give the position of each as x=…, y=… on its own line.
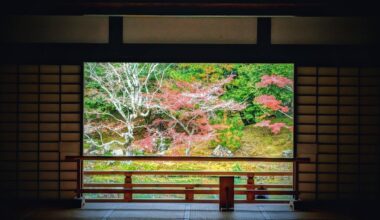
x=250, y=187
x=226, y=193
x=128, y=185
x=189, y=194
x=79, y=178
x=295, y=179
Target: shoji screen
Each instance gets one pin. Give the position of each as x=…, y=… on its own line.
x=338, y=128
x=40, y=124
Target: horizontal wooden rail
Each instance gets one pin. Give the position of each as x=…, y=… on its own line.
x=192, y=158
x=174, y=185
x=144, y=185
x=254, y=192
x=266, y=192
x=187, y=173
x=184, y=191
x=150, y=191
x=274, y=201
x=251, y=190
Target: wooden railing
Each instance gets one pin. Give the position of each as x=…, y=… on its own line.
x=128, y=189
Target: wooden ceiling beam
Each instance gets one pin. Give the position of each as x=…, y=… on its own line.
x=191, y=7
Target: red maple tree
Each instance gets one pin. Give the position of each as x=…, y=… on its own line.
x=270, y=102
x=182, y=113
x=279, y=81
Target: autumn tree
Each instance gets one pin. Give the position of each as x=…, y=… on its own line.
x=244, y=89
x=138, y=109
x=123, y=92
x=182, y=115
x=151, y=108
x=272, y=104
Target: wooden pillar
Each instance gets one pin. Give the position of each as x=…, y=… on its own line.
x=226, y=193
x=79, y=178
x=189, y=194
x=128, y=185
x=79, y=201
x=250, y=188
x=295, y=179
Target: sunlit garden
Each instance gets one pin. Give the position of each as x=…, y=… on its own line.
x=221, y=110
x=178, y=109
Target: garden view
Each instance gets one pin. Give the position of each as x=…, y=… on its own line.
x=188, y=109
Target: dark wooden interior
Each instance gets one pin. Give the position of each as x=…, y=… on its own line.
x=334, y=47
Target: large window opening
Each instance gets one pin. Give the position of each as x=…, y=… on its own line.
x=180, y=109
x=189, y=110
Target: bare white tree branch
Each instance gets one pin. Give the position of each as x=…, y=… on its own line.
x=124, y=86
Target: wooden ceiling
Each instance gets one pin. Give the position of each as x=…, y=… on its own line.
x=191, y=7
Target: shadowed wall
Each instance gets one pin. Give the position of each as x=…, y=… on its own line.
x=337, y=106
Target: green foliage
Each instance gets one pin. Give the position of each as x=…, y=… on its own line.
x=236, y=167
x=242, y=89
x=203, y=72
x=98, y=104
x=229, y=137
x=93, y=102
x=239, y=135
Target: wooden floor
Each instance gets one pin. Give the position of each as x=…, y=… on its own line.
x=174, y=211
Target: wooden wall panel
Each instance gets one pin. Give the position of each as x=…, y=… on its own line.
x=190, y=30
x=323, y=30
x=54, y=29
x=338, y=128
x=40, y=125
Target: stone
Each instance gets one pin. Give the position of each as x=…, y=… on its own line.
x=287, y=153
x=221, y=151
